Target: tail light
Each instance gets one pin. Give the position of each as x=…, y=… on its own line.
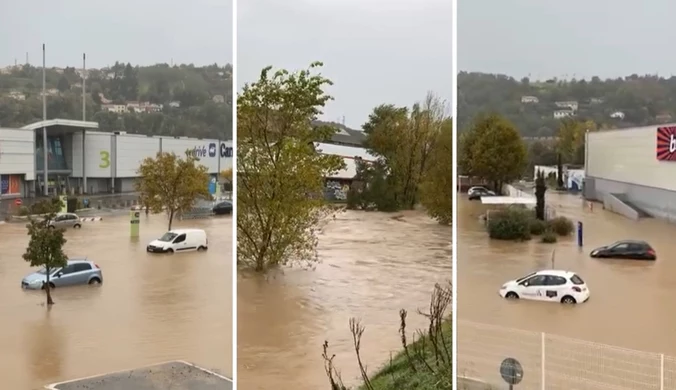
x=97, y=266
x=651, y=252
x=577, y=289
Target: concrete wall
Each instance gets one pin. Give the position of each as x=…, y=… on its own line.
x=131, y=151
x=616, y=205
x=657, y=202
x=99, y=155
x=17, y=153
x=629, y=156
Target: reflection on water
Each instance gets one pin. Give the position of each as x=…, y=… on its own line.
x=150, y=308
x=372, y=266
x=632, y=302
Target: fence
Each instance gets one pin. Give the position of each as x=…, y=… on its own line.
x=553, y=362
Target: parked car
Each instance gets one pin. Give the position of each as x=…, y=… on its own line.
x=180, y=240
x=480, y=192
x=548, y=286
x=222, y=208
x=626, y=249
x=74, y=273
x=66, y=220
x=476, y=188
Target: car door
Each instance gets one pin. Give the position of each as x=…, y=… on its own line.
x=533, y=288
x=81, y=273
x=63, y=277
x=619, y=251
x=59, y=221
x=179, y=243
x=554, y=288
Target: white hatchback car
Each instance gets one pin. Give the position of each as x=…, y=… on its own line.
x=548, y=286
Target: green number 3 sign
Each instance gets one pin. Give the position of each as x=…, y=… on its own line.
x=105, y=159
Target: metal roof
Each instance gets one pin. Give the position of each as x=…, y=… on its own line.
x=507, y=200
x=62, y=122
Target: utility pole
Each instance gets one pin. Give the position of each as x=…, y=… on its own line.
x=45, y=169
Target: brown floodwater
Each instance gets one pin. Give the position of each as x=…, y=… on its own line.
x=150, y=308
x=632, y=303
x=372, y=265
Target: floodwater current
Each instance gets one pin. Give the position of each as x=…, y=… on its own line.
x=372, y=265
x=632, y=303
x=149, y=309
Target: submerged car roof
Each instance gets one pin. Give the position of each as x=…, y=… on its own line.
x=181, y=231
x=555, y=272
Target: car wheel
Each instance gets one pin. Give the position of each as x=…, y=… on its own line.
x=95, y=281
x=568, y=300
x=170, y=250
x=201, y=248
x=77, y=226
x=512, y=295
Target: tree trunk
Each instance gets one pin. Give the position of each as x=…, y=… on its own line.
x=48, y=289
x=171, y=218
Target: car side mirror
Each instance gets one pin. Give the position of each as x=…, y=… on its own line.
x=58, y=274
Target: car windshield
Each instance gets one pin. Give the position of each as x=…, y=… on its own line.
x=168, y=236
x=525, y=277
x=43, y=271
x=576, y=280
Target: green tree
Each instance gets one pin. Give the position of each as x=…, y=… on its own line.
x=172, y=184
x=436, y=189
x=63, y=84
x=45, y=247
x=372, y=187
x=493, y=150
x=280, y=176
x=403, y=140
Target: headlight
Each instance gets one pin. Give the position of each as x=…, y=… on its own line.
x=504, y=286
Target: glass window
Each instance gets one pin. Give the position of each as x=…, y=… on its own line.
x=168, y=237
x=180, y=238
x=576, y=280
x=79, y=267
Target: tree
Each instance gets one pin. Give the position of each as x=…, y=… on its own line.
x=493, y=150
x=403, y=140
x=45, y=247
x=436, y=189
x=540, y=189
x=63, y=84
x=559, y=172
x=172, y=184
x=280, y=176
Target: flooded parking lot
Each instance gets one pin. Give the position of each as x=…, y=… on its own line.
x=150, y=308
x=373, y=265
x=632, y=303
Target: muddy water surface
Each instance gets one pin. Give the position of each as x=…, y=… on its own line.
x=372, y=266
x=633, y=303
x=150, y=308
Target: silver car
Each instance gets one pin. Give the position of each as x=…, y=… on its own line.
x=66, y=220
x=76, y=272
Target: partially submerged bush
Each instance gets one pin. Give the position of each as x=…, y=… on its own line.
x=537, y=227
x=510, y=224
x=561, y=226
x=549, y=237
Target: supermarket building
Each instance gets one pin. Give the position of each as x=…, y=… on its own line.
x=633, y=171
x=82, y=160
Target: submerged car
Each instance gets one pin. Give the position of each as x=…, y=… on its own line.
x=548, y=286
x=74, y=273
x=626, y=249
x=480, y=192
x=180, y=240
x=222, y=208
x=66, y=220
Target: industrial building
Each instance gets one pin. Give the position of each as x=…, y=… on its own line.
x=81, y=159
x=632, y=171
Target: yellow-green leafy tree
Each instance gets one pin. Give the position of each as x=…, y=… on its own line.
x=571, y=137
x=493, y=150
x=172, y=184
x=436, y=189
x=280, y=176
x=403, y=140
x=45, y=247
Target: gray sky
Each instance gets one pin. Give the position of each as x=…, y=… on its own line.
x=137, y=31
x=375, y=51
x=584, y=38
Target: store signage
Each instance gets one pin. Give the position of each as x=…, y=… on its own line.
x=226, y=151
x=212, y=150
x=666, y=143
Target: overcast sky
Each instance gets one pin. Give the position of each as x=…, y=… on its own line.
x=575, y=37
x=375, y=51
x=137, y=31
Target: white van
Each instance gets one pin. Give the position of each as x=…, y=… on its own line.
x=180, y=240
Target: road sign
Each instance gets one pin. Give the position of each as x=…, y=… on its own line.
x=18, y=202
x=511, y=371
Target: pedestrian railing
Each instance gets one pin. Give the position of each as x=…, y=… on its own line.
x=558, y=363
